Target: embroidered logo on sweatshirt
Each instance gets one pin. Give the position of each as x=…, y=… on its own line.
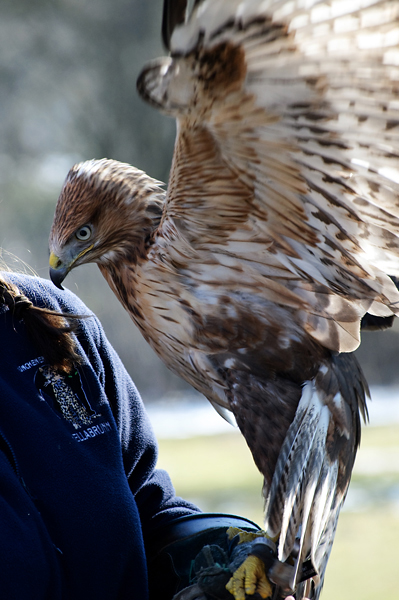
x=66, y=395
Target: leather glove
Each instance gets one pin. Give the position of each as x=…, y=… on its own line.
x=172, y=551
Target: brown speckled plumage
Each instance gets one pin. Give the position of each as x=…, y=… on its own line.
x=278, y=233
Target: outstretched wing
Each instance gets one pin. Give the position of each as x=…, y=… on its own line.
x=286, y=161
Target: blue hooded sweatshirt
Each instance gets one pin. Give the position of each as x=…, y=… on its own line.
x=79, y=492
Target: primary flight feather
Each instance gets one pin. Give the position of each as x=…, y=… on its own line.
x=278, y=232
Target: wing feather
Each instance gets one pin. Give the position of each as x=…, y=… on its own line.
x=308, y=139
x=306, y=495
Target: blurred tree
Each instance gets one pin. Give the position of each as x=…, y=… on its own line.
x=68, y=71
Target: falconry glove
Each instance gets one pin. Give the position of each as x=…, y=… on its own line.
x=216, y=557
x=195, y=551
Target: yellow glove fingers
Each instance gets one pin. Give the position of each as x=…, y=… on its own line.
x=249, y=578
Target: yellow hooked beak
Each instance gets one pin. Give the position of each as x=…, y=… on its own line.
x=59, y=269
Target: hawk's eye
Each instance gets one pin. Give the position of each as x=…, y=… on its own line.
x=84, y=233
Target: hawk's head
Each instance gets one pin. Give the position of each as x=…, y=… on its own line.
x=107, y=211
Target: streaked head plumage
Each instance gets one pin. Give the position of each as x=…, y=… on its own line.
x=105, y=209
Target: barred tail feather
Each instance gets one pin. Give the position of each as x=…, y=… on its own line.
x=303, y=504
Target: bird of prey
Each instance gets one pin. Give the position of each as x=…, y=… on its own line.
x=278, y=232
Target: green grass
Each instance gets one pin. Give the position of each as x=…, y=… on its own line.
x=364, y=563
x=217, y=473
x=380, y=436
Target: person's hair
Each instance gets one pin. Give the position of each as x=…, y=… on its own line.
x=49, y=331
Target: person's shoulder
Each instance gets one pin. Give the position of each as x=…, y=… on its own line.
x=43, y=293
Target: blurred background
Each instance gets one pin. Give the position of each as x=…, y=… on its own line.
x=68, y=71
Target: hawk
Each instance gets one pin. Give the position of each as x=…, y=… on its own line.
x=277, y=234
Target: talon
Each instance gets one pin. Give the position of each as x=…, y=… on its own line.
x=245, y=536
x=249, y=578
